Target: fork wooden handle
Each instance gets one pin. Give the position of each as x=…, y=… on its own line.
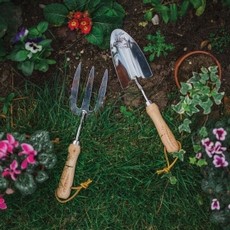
x=64, y=188
x=163, y=130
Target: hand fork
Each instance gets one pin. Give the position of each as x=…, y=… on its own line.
x=64, y=188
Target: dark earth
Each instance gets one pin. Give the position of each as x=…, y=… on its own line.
x=187, y=34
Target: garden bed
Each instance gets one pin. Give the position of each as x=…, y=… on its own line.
x=121, y=150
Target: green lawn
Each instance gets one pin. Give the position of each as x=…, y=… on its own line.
x=121, y=152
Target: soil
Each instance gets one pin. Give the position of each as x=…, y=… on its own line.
x=187, y=34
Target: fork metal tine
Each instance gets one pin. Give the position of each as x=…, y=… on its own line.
x=74, y=91
x=102, y=91
x=88, y=91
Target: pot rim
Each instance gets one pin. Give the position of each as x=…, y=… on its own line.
x=181, y=59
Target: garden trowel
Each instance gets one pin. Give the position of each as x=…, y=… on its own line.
x=130, y=64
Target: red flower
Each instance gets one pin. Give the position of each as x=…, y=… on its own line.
x=86, y=29
x=85, y=22
x=73, y=24
x=78, y=15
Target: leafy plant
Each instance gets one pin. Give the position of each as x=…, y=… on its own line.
x=7, y=101
x=220, y=40
x=94, y=19
x=31, y=49
x=171, y=12
x=157, y=46
x=24, y=162
x=198, y=94
x=212, y=147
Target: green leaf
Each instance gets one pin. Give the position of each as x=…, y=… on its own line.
x=201, y=162
x=163, y=11
x=45, y=43
x=148, y=15
x=173, y=12
x=196, y=148
x=42, y=66
x=42, y=27
x=206, y=105
x=192, y=160
x=47, y=159
x=41, y=176
x=196, y=3
x=50, y=61
x=71, y=4
x=183, y=8
x=3, y=183
x=25, y=184
x=185, y=126
x=200, y=9
x=27, y=68
x=33, y=32
x=19, y=56
x=203, y=132
x=55, y=14
x=185, y=87
x=96, y=35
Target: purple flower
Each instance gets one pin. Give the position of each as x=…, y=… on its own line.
x=30, y=152
x=219, y=161
x=215, y=205
x=12, y=171
x=208, y=144
x=2, y=203
x=220, y=134
x=218, y=148
x=21, y=34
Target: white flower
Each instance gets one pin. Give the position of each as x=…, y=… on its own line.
x=33, y=47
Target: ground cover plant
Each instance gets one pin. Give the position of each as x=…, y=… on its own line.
x=121, y=150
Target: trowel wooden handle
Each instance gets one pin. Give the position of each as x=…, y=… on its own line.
x=64, y=188
x=163, y=130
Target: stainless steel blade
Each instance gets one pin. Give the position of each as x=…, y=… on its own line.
x=128, y=59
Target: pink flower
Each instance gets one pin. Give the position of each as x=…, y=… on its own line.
x=219, y=161
x=30, y=152
x=208, y=144
x=12, y=171
x=3, y=149
x=220, y=134
x=12, y=143
x=2, y=203
x=215, y=204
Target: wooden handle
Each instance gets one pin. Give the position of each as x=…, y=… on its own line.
x=64, y=188
x=163, y=130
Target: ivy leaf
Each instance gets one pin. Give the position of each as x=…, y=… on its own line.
x=201, y=162
x=185, y=126
x=192, y=160
x=206, y=105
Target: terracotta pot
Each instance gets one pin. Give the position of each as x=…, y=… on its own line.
x=192, y=54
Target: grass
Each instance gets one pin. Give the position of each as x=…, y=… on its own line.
x=121, y=152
